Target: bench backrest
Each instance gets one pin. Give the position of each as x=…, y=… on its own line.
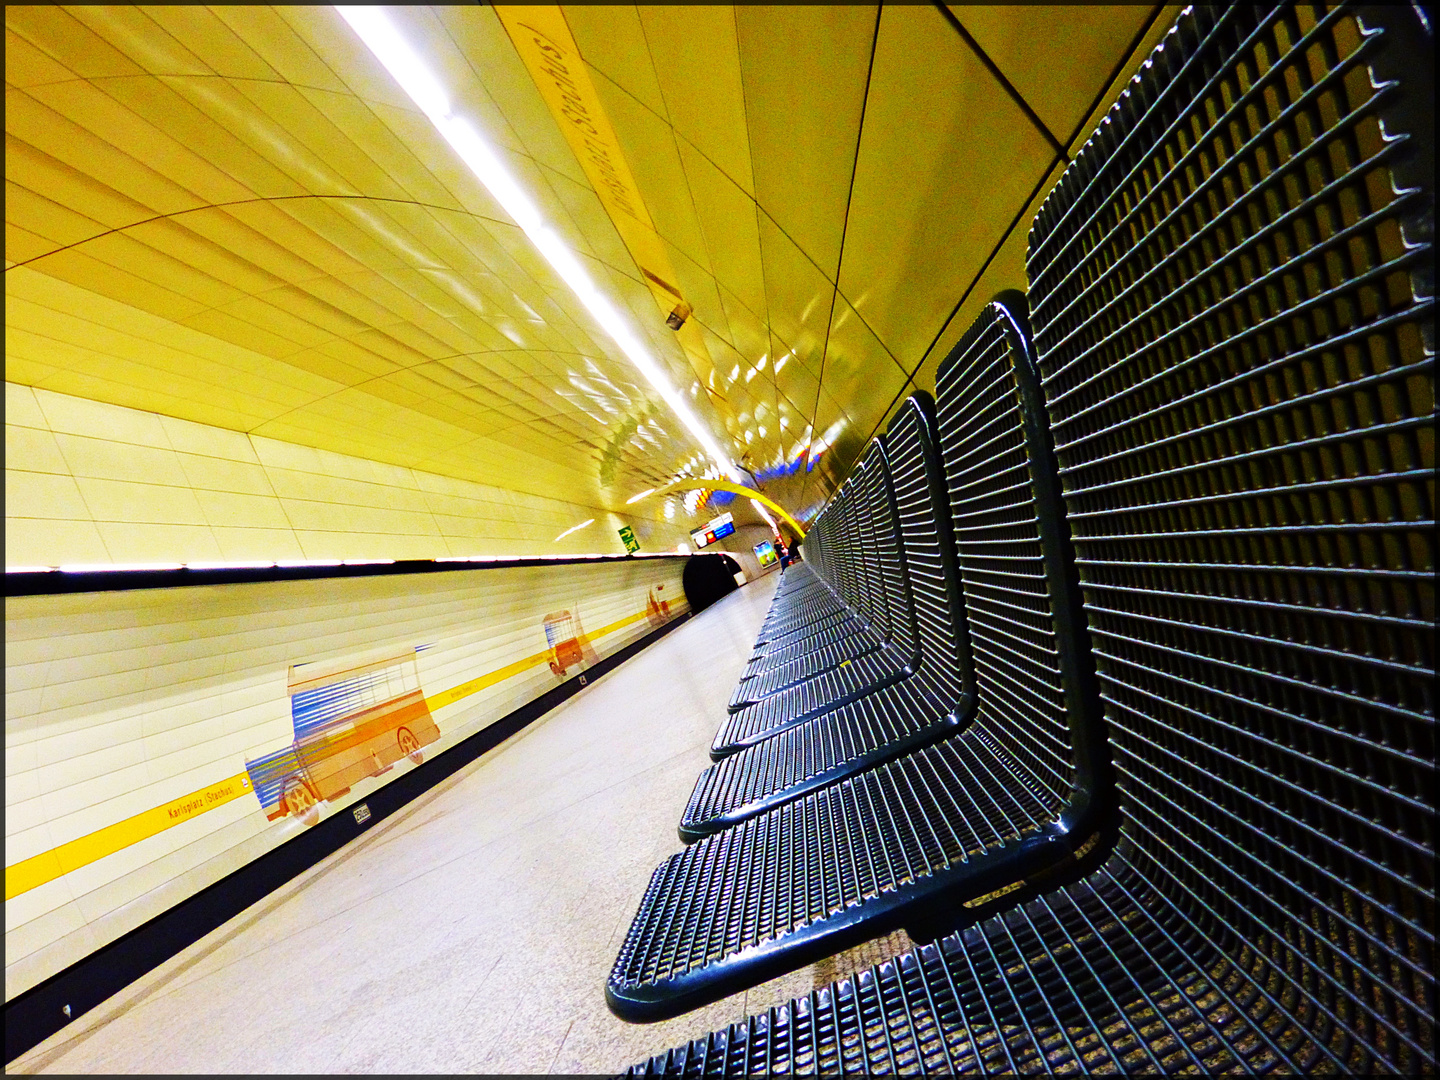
x=1036, y=700
x=928, y=557
x=1230, y=296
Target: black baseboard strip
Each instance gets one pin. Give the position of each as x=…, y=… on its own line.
x=36, y=1014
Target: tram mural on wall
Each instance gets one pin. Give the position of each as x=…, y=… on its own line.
x=356, y=718
x=566, y=640
x=352, y=721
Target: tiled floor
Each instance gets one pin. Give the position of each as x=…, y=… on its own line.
x=473, y=931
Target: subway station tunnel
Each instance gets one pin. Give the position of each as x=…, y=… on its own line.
x=720, y=540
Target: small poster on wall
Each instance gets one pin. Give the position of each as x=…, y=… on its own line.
x=765, y=552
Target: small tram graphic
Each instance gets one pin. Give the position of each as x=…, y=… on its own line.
x=352, y=720
x=568, y=645
x=657, y=605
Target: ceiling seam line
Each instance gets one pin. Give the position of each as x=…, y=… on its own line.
x=75, y=478
x=250, y=438
x=999, y=77
x=1115, y=73
x=909, y=382
x=986, y=264
x=844, y=230
x=773, y=353
x=249, y=202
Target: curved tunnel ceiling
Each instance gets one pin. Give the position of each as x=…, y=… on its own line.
x=233, y=215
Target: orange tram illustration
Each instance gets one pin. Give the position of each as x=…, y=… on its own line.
x=352, y=720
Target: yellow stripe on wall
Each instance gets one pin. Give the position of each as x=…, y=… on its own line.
x=30, y=873
x=484, y=682
x=47, y=866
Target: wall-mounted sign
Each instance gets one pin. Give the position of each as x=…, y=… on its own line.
x=715, y=529
x=627, y=537
x=765, y=552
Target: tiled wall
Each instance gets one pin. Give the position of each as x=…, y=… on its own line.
x=88, y=482
x=122, y=703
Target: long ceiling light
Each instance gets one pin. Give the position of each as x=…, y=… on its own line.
x=383, y=39
x=573, y=528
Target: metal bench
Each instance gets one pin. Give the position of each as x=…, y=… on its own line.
x=933, y=702
x=873, y=581
x=828, y=596
x=1231, y=294
x=909, y=842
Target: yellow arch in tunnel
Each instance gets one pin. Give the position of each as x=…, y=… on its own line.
x=734, y=489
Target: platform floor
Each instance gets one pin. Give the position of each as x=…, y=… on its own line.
x=474, y=930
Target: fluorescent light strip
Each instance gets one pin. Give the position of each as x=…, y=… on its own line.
x=573, y=528
x=261, y=565
x=99, y=568
x=383, y=39
x=758, y=505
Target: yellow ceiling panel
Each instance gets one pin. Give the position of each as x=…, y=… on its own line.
x=797, y=295
x=1058, y=56
x=697, y=62
x=49, y=306
x=649, y=148
x=858, y=370
x=300, y=252
x=805, y=71
x=306, y=130
x=208, y=38
x=465, y=87
x=592, y=224
x=425, y=152
x=175, y=239
x=22, y=245
x=929, y=202
x=732, y=233
x=38, y=124
x=65, y=367
x=140, y=38
x=798, y=386
x=263, y=30
x=69, y=42
x=336, y=236
x=700, y=291
x=612, y=41
x=29, y=167
x=337, y=47
x=664, y=345
x=843, y=445
x=121, y=251
x=294, y=316
x=25, y=65
x=238, y=329
x=345, y=362
x=75, y=266
x=749, y=332
x=1160, y=24
x=52, y=224
x=207, y=145
x=1006, y=271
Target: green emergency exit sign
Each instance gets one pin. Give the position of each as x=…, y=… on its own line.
x=632, y=545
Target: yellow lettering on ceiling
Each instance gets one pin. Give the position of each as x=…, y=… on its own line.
x=545, y=44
